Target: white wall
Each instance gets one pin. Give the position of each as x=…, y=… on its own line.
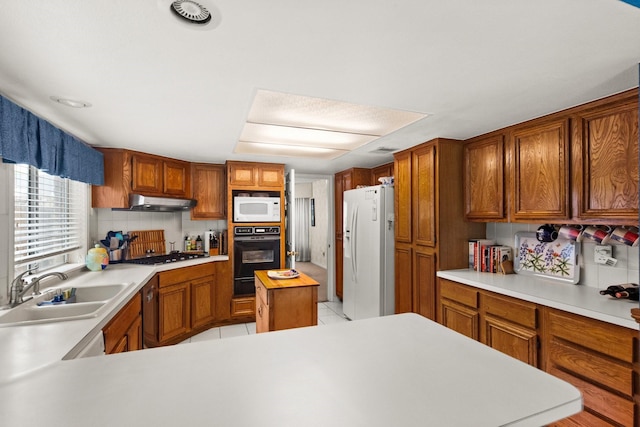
x=626, y=270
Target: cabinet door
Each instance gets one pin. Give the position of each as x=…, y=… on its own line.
x=423, y=198
x=402, y=197
x=241, y=174
x=606, y=164
x=203, y=302
x=511, y=339
x=484, y=179
x=459, y=318
x=424, y=288
x=147, y=174
x=174, y=311
x=208, y=182
x=381, y=171
x=403, y=279
x=541, y=177
x=134, y=335
x=176, y=178
x=270, y=175
x=262, y=316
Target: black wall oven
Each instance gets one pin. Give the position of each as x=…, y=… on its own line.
x=254, y=248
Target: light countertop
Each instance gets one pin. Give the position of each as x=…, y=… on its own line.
x=30, y=348
x=577, y=299
x=401, y=370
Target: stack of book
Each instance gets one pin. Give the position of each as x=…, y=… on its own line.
x=486, y=256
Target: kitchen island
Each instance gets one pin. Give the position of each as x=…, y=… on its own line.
x=400, y=370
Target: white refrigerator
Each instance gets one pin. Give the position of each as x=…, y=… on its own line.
x=368, y=256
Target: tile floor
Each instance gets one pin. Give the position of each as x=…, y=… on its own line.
x=328, y=312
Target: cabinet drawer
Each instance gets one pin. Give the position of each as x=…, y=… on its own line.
x=515, y=311
x=609, y=405
x=598, y=369
x=241, y=307
x=179, y=275
x=611, y=340
x=459, y=293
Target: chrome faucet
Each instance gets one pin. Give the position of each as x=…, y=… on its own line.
x=19, y=286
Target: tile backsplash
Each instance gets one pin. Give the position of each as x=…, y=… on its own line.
x=175, y=224
x=626, y=270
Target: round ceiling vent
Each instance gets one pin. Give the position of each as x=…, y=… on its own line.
x=191, y=11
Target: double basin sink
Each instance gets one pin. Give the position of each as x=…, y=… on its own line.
x=89, y=302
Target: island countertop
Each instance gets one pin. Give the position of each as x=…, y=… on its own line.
x=296, y=282
x=401, y=370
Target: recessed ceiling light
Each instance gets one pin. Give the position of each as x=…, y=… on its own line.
x=70, y=102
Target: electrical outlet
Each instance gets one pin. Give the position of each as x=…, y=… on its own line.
x=603, y=255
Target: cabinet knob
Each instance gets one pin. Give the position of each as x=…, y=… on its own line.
x=289, y=253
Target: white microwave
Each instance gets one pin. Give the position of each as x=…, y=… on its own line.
x=256, y=209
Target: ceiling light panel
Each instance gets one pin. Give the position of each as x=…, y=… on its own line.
x=317, y=113
x=244, y=147
x=275, y=134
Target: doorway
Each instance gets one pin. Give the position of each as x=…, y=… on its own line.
x=314, y=235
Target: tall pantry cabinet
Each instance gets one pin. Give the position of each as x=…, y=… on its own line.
x=430, y=232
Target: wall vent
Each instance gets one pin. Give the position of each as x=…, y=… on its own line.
x=383, y=150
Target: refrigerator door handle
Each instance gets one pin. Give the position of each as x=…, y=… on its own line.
x=354, y=237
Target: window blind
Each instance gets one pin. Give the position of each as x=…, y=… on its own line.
x=50, y=218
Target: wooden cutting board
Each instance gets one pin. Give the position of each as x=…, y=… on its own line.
x=147, y=240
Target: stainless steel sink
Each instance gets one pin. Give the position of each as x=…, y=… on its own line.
x=89, y=301
x=31, y=314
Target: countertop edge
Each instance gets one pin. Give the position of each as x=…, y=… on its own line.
x=550, y=294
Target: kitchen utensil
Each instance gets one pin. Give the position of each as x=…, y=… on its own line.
x=142, y=241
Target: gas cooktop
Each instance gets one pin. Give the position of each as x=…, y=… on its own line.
x=165, y=259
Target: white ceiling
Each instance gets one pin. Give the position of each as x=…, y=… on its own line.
x=159, y=86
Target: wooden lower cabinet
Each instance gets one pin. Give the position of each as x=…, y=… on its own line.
x=179, y=303
x=598, y=358
x=243, y=307
x=174, y=308
x=124, y=331
x=458, y=308
x=285, y=304
x=509, y=325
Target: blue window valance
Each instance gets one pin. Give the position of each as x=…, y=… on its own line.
x=26, y=138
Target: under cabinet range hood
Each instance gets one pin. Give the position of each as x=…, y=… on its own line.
x=138, y=202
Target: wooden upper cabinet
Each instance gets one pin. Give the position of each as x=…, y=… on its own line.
x=541, y=172
x=606, y=163
x=158, y=175
x=402, y=199
x=424, y=195
x=128, y=172
x=209, y=189
x=484, y=179
x=147, y=174
x=256, y=175
x=176, y=178
x=381, y=171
